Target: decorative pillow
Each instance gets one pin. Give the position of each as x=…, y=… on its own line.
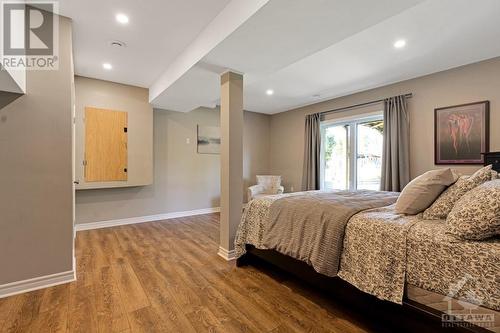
x=444, y=204
x=421, y=192
x=476, y=215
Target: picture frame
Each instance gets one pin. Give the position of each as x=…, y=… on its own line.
x=461, y=133
x=208, y=139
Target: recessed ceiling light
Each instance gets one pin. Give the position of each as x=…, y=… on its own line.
x=400, y=43
x=122, y=18
x=107, y=66
x=269, y=92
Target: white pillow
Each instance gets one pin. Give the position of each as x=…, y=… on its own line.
x=421, y=192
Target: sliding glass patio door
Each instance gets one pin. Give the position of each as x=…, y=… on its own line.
x=351, y=153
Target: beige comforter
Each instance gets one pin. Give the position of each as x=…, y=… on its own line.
x=310, y=226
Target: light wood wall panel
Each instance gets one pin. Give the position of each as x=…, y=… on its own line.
x=106, y=154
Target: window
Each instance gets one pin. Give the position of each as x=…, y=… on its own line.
x=351, y=153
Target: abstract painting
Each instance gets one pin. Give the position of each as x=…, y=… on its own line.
x=461, y=133
x=208, y=140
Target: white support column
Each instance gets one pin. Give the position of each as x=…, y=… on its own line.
x=231, y=202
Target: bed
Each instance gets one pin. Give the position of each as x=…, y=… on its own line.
x=384, y=254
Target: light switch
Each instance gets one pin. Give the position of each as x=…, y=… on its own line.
x=188, y=140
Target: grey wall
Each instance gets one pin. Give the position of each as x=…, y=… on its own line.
x=119, y=97
x=183, y=179
x=471, y=83
x=36, y=193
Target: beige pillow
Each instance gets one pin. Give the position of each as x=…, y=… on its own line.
x=444, y=204
x=476, y=215
x=421, y=192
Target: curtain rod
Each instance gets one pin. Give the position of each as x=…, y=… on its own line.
x=359, y=105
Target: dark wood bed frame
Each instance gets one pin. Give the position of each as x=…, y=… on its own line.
x=413, y=316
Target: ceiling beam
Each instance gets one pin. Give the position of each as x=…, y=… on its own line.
x=227, y=21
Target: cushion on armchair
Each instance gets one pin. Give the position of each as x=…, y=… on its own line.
x=270, y=184
x=266, y=185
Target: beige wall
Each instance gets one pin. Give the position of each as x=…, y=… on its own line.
x=36, y=192
x=119, y=97
x=183, y=179
x=471, y=83
x=256, y=149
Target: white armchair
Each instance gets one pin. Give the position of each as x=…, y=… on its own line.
x=266, y=185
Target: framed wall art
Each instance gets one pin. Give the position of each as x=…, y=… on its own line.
x=461, y=133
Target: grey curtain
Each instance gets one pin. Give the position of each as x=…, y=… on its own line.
x=396, y=151
x=312, y=151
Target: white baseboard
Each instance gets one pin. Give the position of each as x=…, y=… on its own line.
x=228, y=255
x=41, y=282
x=143, y=219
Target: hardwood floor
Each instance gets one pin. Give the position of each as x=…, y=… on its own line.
x=166, y=277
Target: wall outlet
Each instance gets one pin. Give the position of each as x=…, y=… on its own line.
x=188, y=140
x=291, y=188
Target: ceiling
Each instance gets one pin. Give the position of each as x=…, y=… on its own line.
x=156, y=34
x=440, y=35
x=306, y=51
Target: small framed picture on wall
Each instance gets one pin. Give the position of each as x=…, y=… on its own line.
x=208, y=140
x=461, y=133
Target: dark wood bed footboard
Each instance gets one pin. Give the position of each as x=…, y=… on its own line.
x=411, y=316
